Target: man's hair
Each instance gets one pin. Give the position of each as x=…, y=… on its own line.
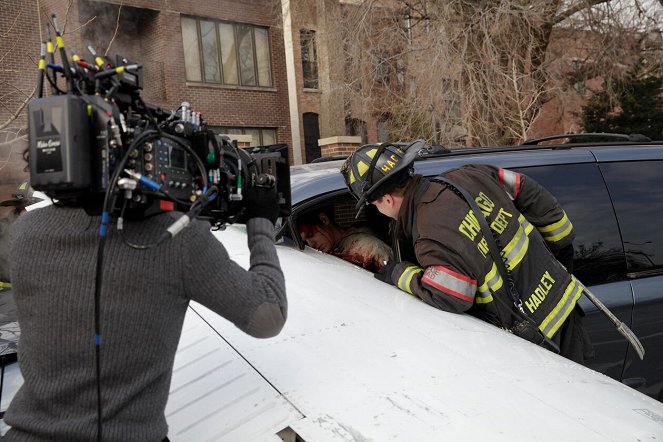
x=395, y=186
x=313, y=217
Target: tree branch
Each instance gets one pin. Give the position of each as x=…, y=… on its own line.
x=18, y=111
x=577, y=8
x=12, y=26
x=117, y=26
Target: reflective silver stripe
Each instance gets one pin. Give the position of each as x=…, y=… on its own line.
x=450, y=282
x=510, y=182
x=558, y=230
x=516, y=249
x=526, y=224
x=406, y=278
x=556, y=317
x=491, y=284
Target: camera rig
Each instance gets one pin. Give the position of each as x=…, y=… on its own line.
x=98, y=145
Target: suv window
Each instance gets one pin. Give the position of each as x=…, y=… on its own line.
x=637, y=195
x=579, y=188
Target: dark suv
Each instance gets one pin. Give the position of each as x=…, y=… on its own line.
x=613, y=195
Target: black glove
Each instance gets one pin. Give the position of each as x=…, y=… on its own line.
x=385, y=272
x=260, y=202
x=565, y=256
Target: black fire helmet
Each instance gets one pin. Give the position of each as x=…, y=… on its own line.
x=375, y=169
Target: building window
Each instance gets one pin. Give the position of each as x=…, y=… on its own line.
x=259, y=136
x=356, y=128
x=226, y=53
x=309, y=58
x=383, y=129
x=382, y=66
x=577, y=76
x=400, y=72
x=451, y=99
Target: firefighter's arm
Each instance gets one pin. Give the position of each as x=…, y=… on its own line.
x=436, y=285
x=538, y=205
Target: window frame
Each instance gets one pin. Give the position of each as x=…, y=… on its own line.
x=309, y=36
x=236, y=49
x=229, y=130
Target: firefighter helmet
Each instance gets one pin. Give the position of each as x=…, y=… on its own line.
x=372, y=166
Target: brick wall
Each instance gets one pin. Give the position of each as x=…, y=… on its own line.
x=335, y=146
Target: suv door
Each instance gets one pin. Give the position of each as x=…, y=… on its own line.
x=637, y=195
x=599, y=256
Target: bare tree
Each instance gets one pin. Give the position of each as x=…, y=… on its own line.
x=479, y=72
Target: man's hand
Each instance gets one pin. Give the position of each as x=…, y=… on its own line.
x=261, y=202
x=385, y=272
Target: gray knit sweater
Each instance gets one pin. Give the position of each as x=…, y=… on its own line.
x=144, y=298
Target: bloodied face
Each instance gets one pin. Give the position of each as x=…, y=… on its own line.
x=319, y=237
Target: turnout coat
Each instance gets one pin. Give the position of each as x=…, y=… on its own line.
x=454, y=270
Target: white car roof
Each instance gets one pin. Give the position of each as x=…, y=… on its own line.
x=359, y=360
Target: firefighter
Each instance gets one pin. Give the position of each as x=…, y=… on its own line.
x=452, y=267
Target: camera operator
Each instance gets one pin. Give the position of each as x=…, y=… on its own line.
x=144, y=298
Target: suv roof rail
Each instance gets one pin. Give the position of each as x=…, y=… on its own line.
x=632, y=137
x=433, y=149
x=325, y=159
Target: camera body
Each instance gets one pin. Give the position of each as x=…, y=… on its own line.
x=101, y=142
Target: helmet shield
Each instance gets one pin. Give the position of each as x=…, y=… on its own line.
x=372, y=165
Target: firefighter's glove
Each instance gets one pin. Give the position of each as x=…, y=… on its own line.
x=260, y=202
x=385, y=272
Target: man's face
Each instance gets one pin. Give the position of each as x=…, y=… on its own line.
x=318, y=237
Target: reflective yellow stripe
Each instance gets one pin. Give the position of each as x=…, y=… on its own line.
x=561, y=235
x=526, y=225
x=556, y=317
x=49, y=47
x=361, y=168
x=554, y=226
x=351, y=178
x=42, y=64
x=494, y=280
x=5, y=285
x=99, y=61
x=371, y=153
x=558, y=230
x=120, y=69
x=406, y=278
x=60, y=42
x=495, y=283
x=517, y=247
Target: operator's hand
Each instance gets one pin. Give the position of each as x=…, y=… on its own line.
x=261, y=202
x=385, y=272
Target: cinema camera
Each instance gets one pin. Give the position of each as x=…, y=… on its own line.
x=98, y=145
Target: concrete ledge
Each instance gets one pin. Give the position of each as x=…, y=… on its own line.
x=339, y=140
